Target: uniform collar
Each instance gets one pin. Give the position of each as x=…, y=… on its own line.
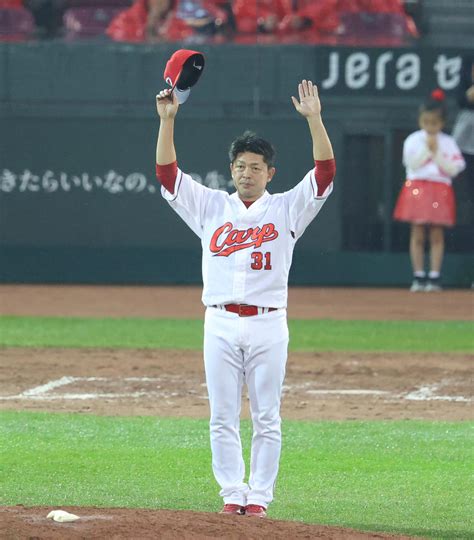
x=258, y=202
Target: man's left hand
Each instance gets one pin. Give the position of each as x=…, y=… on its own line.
x=309, y=104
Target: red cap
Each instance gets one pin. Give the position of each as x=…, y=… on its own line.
x=182, y=72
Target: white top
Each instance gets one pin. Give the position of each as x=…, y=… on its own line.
x=247, y=252
x=422, y=164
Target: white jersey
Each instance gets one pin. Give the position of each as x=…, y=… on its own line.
x=247, y=252
x=422, y=164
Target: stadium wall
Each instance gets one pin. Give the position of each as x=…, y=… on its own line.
x=78, y=199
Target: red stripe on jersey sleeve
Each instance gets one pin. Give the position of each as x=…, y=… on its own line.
x=166, y=175
x=324, y=172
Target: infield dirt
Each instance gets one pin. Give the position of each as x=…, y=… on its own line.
x=116, y=523
x=318, y=386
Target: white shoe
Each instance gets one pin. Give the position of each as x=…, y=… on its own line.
x=433, y=287
x=418, y=285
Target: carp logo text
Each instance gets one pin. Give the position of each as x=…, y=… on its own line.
x=226, y=239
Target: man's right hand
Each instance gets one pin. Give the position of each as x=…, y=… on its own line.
x=167, y=104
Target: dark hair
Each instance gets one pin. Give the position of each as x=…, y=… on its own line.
x=250, y=142
x=436, y=102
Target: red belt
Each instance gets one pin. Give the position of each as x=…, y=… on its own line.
x=243, y=310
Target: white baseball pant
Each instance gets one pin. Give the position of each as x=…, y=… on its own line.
x=253, y=350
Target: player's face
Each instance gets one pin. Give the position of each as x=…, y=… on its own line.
x=250, y=175
x=431, y=122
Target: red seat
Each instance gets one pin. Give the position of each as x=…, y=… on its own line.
x=88, y=22
x=16, y=24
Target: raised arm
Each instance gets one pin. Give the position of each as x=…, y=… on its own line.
x=167, y=106
x=309, y=106
x=166, y=166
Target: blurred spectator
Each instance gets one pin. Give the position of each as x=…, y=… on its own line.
x=414, y=10
x=47, y=16
x=227, y=9
x=205, y=16
x=319, y=15
x=171, y=20
x=88, y=22
x=145, y=19
x=463, y=130
x=160, y=19
x=263, y=16
x=371, y=6
x=375, y=22
x=166, y=20
x=16, y=22
x=393, y=7
x=318, y=20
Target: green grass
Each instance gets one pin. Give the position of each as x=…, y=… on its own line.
x=306, y=335
x=408, y=477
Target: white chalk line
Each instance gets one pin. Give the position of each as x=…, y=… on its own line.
x=42, y=392
x=44, y=388
x=54, y=397
x=427, y=393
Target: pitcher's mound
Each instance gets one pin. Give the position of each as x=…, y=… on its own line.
x=20, y=522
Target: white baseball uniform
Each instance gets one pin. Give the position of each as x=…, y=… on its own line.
x=247, y=254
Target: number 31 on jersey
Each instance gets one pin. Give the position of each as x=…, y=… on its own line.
x=261, y=260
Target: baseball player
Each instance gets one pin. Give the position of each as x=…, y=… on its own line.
x=247, y=242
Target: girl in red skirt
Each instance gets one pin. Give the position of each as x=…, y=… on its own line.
x=432, y=158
